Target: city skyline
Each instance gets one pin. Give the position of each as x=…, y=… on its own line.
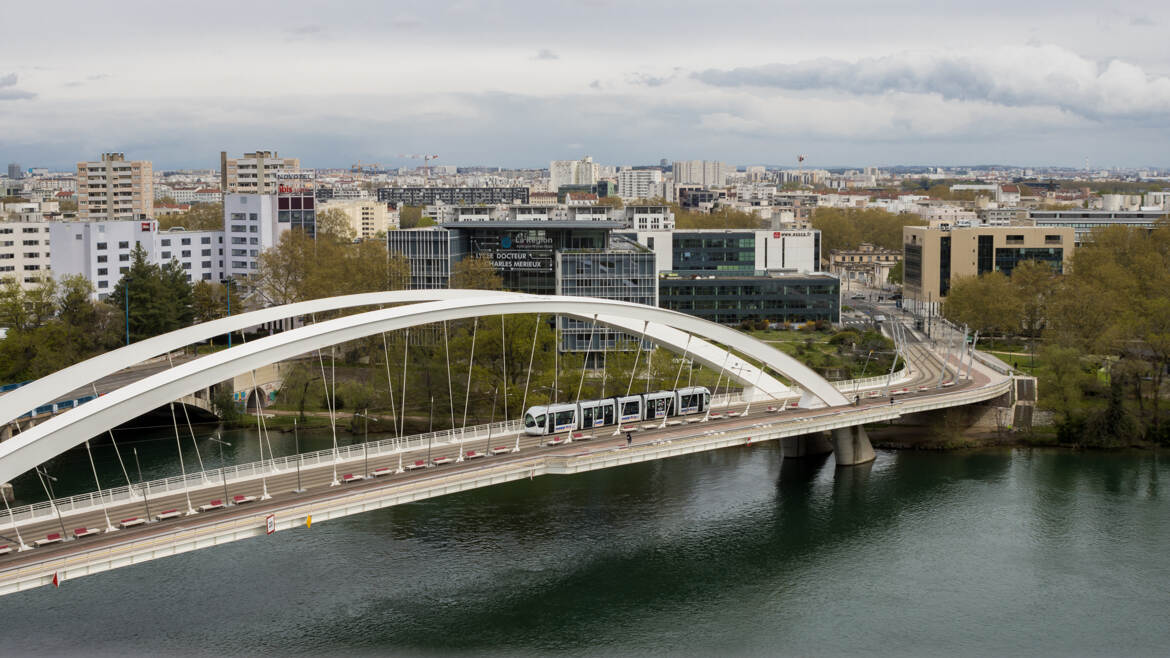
x=520, y=84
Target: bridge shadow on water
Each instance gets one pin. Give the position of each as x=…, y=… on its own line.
x=556, y=564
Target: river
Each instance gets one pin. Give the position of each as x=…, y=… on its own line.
x=1021, y=551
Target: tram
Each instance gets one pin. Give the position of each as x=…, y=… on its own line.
x=554, y=418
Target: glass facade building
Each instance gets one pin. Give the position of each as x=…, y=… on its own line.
x=732, y=299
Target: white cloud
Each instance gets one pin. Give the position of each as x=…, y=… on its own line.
x=1015, y=76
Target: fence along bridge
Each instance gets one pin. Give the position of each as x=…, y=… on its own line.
x=114, y=527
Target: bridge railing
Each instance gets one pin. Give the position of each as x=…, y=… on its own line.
x=199, y=480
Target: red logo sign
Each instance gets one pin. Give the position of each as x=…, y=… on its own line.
x=145, y=226
x=776, y=235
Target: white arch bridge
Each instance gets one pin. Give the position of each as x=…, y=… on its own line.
x=792, y=403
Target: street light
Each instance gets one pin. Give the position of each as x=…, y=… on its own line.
x=297, y=447
x=228, y=285
x=145, y=497
x=49, y=492
x=222, y=472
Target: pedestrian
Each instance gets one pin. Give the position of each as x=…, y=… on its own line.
x=629, y=439
x=891, y=399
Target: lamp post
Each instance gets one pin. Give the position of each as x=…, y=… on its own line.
x=297, y=447
x=126, y=294
x=49, y=492
x=222, y=472
x=228, y=285
x=145, y=498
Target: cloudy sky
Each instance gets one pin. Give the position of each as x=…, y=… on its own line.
x=518, y=83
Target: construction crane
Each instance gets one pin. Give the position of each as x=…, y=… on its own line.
x=426, y=160
x=358, y=167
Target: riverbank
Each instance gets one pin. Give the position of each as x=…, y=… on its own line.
x=921, y=437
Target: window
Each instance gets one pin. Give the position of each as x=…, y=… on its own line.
x=166, y=255
x=205, y=252
x=1052, y=239
x=103, y=284
x=986, y=254
x=101, y=246
x=239, y=228
x=205, y=265
x=205, y=240
x=186, y=241
x=124, y=244
x=166, y=242
x=31, y=243
x=1015, y=239
x=186, y=253
x=123, y=270
x=102, y=258
x=102, y=271
x=123, y=257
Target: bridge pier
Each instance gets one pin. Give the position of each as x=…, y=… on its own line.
x=851, y=446
x=805, y=445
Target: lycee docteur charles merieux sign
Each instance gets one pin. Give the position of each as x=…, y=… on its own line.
x=512, y=260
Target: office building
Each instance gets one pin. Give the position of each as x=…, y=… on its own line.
x=425, y=196
x=1083, y=222
x=24, y=253
x=573, y=172
x=255, y=222
x=254, y=173
x=639, y=183
x=115, y=189
x=649, y=218
x=934, y=258
x=733, y=298
x=14, y=172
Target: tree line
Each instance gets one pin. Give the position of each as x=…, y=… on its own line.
x=1102, y=331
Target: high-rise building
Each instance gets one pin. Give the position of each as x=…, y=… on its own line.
x=14, y=171
x=24, y=252
x=367, y=217
x=255, y=173
x=114, y=189
x=700, y=172
x=573, y=172
x=638, y=183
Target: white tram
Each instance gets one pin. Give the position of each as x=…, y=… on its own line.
x=616, y=410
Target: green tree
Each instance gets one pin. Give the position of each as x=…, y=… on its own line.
x=896, y=274
x=333, y=223
x=201, y=217
x=476, y=273
x=159, y=298
x=847, y=228
x=986, y=303
x=409, y=216
x=209, y=301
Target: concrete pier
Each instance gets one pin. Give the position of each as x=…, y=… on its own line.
x=851, y=446
x=805, y=445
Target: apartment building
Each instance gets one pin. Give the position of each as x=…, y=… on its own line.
x=367, y=217
x=254, y=173
x=708, y=173
x=115, y=189
x=24, y=252
x=639, y=183
x=1084, y=222
x=573, y=172
x=425, y=196
x=933, y=258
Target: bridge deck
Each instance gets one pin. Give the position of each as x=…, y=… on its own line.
x=535, y=455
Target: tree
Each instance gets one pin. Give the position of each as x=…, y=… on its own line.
x=334, y=224
x=611, y=201
x=476, y=273
x=201, y=217
x=847, y=228
x=159, y=298
x=722, y=218
x=896, y=274
x=209, y=301
x=987, y=303
x=409, y=216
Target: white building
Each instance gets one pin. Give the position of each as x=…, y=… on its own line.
x=103, y=251
x=649, y=218
x=24, y=252
x=638, y=183
x=708, y=173
x=250, y=226
x=573, y=172
x=690, y=250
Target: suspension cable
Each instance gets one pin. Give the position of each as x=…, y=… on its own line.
x=182, y=467
x=585, y=359
x=726, y=355
x=202, y=469
x=637, y=357
x=105, y=510
x=12, y=519
x=683, y=362
x=531, y=356
x=332, y=418
x=450, y=390
x=470, y=363
x=504, y=367
x=405, y=356
x=116, y=451
x=390, y=383
x=260, y=441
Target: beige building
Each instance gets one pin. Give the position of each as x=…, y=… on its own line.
x=367, y=217
x=115, y=189
x=255, y=173
x=868, y=264
x=933, y=258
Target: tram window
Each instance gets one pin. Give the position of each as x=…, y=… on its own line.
x=587, y=416
x=529, y=421
x=629, y=408
x=540, y=420
x=609, y=414
x=563, y=418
